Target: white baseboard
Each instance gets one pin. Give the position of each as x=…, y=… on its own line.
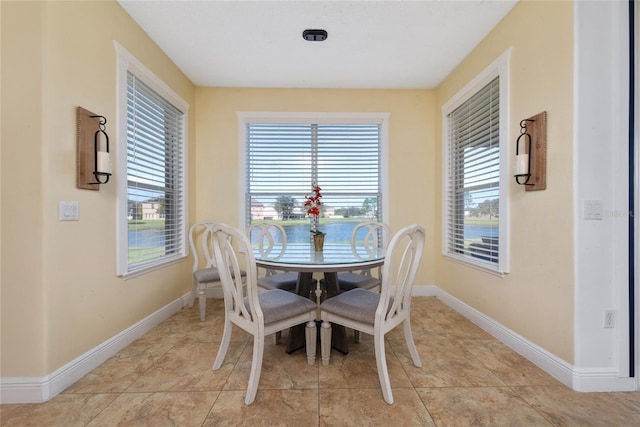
x=551, y=364
x=425, y=291
x=215, y=292
x=583, y=380
x=601, y=380
x=41, y=389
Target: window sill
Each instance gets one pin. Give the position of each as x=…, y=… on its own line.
x=152, y=267
x=486, y=267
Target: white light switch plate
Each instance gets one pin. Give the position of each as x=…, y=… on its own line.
x=69, y=211
x=592, y=209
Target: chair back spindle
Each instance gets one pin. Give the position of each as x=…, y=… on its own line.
x=399, y=272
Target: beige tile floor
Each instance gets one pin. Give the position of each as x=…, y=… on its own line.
x=467, y=378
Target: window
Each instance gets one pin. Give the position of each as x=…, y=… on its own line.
x=284, y=154
x=151, y=171
x=476, y=171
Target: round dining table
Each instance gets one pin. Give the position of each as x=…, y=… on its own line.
x=334, y=258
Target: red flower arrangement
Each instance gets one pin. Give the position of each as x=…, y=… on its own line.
x=313, y=203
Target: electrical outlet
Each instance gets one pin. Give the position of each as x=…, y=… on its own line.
x=609, y=318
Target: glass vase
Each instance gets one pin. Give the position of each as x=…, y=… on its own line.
x=318, y=242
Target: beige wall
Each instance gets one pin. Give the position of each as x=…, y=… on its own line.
x=536, y=298
x=60, y=294
x=411, y=148
x=23, y=304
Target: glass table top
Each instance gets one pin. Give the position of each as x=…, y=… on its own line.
x=340, y=256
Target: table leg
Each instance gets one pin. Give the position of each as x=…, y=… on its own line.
x=304, y=287
x=296, y=334
x=338, y=332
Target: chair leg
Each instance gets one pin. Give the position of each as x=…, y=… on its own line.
x=325, y=342
x=278, y=336
x=311, y=337
x=408, y=337
x=381, y=364
x=203, y=301
x=356, y=336
x=224, y=344
x=256, y=368
x=194, y=291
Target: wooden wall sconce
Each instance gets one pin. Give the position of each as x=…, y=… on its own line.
x=531, y=153
x=94, y=162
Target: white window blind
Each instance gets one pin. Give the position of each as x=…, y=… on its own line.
x=155, y=177
x=282, y=160
x=473, y=199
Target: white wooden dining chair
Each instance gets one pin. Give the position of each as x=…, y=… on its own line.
x=205, y=274
x=366, y=239
x=377, y=313
x=258, y=313
x=271, y=243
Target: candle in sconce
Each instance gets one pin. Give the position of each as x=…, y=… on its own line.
x=522, y=164
x=104, y=162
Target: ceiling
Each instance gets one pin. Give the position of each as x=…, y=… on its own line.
x=396, y=44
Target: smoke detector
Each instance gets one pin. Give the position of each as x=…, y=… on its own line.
x=314, y=35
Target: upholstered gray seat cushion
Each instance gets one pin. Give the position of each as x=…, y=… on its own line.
x=277, y=304
x=357, y=304
x=348, y=281
x=211, y=274
x=286, y=281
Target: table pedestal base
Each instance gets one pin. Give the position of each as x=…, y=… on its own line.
x=297, y=341
x=338, y=333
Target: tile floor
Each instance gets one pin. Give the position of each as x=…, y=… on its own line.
x=467, y=378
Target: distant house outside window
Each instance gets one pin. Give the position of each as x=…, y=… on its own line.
x=477, y=171
x=152, y=177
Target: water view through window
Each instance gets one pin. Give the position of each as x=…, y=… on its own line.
x=298, y=232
